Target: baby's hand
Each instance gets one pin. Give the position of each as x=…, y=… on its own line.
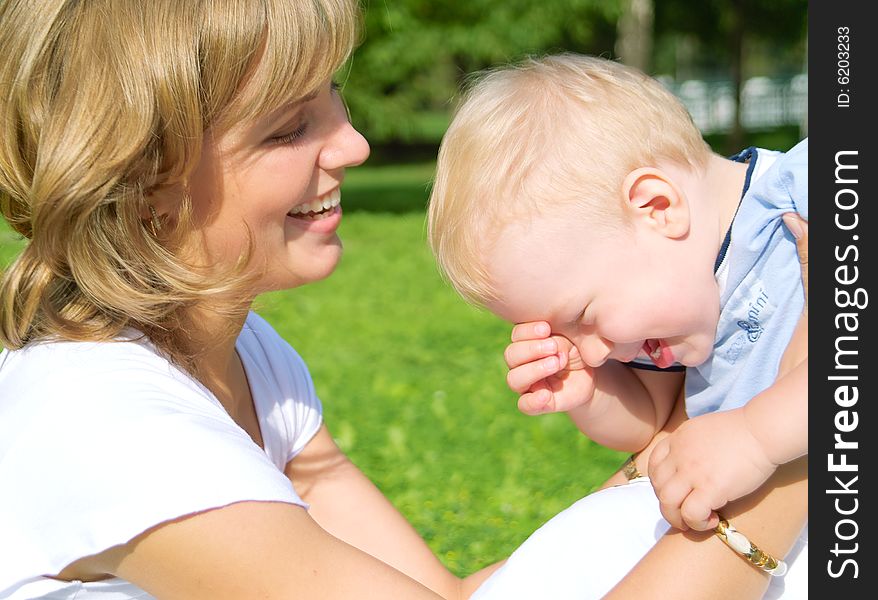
x=708, y=461
x=546, y=370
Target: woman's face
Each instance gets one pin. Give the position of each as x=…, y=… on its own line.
x=276, y=181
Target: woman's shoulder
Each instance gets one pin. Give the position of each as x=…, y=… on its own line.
x=270, y=352
x=94, y=388
x=113, y=434
x=281, y=386
x=67, y=408
x=130, y=366
x=259, y=331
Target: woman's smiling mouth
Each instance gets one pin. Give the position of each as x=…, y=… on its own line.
x=321, y=208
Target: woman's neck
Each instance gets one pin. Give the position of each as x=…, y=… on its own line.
x=213, y=334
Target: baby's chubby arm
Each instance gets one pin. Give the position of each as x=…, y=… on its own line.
x=717, y=457
x=616, y=406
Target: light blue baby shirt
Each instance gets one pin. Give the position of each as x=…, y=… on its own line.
x=761, y=292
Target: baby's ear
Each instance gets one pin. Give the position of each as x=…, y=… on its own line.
x=652, y=198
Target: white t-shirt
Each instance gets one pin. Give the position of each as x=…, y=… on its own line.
x=102, y=441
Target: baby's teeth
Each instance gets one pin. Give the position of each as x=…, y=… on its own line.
x=657, y=353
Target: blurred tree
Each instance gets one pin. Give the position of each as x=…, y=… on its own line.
x=415, y=53
x=723, y=31
x=635, y=33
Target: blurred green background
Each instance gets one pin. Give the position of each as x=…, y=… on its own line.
x=404, y=79
x=412, y=379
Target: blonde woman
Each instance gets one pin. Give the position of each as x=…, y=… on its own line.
x=168, y=161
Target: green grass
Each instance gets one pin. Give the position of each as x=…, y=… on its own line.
x=413, y=385
x=10, y=244
x=388, y=189
x=412, y=381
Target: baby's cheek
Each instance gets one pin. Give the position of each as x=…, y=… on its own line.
x=701, y=350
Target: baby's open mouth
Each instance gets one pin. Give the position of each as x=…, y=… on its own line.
x=320, y=208
x=659, y=353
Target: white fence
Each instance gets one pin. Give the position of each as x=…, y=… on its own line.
x=765, y=103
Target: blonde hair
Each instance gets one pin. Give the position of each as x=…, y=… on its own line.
x=554, y=131
x=106, y=101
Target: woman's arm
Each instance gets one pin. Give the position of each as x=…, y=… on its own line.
x=350, y=507
x=248, y=550
x=697, y=565
x=351, y=544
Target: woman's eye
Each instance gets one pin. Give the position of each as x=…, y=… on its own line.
x=291, y=137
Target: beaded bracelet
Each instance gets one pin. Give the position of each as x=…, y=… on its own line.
x=738, y=542
x=630, y=469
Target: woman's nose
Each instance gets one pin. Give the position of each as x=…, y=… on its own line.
x=346, y=148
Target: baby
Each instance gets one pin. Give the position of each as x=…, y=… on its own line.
x=575, y=197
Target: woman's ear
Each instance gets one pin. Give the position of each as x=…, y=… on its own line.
x=163, y=201
x=652, y=198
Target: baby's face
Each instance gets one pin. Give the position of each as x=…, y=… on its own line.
x=617, y=293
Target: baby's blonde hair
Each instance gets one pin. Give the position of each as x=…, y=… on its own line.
x=106, y=101
x=544, y=134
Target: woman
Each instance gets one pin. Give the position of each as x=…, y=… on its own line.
x=169, y=161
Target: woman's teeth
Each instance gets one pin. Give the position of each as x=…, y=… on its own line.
x=318, y=208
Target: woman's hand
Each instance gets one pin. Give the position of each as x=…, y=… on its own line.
x=546, y=370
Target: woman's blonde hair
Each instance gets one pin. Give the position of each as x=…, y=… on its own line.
x=104, y=102
x=550, y=132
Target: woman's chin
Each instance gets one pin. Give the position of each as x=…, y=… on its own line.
x=317, y=268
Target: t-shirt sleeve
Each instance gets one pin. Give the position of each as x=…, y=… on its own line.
x=307, y=410
x=122, y=453
x=296, y=400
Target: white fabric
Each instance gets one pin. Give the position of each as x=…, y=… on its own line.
x=102, y=441
x=582, y=552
